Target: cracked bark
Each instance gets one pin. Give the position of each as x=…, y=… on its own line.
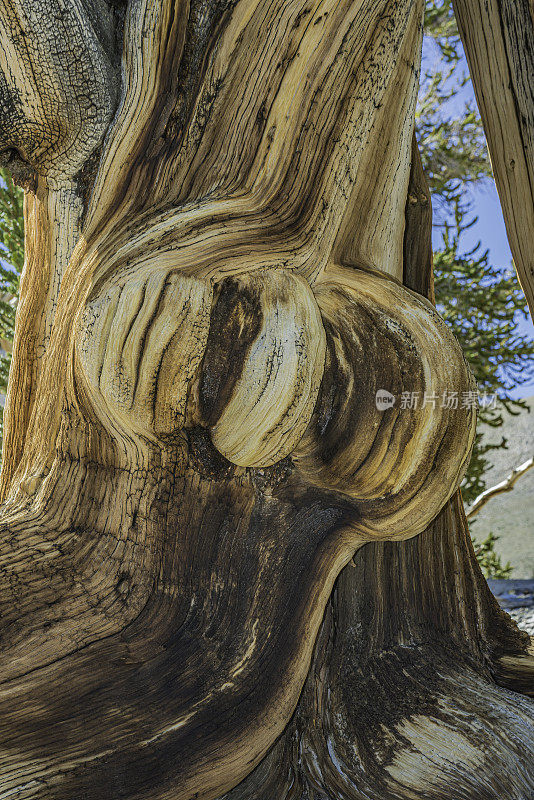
x=212, y=583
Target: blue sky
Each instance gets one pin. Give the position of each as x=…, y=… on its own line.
x=489, y=229
x=491, y=232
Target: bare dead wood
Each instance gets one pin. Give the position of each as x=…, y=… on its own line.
x=418, y=271
x=505, y=485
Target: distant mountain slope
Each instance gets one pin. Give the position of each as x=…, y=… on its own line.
x=510, y=516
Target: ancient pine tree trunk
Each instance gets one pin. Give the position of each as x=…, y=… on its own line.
x=212, y=583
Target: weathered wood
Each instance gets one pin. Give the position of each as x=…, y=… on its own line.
x=498, y=37
x=212, y=298
x=418, y=271
x=404, y=657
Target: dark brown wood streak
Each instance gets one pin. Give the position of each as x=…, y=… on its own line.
x=213, y=298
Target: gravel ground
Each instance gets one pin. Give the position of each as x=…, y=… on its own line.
x=524, y=618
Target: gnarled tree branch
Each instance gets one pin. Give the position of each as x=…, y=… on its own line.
x=505, y=485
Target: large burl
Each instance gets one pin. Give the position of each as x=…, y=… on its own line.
x=204, y=452
x=276, y=369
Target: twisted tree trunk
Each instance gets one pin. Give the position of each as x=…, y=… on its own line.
x=201, y=437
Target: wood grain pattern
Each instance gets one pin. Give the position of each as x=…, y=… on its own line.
x=56, y=116
x=397, y=463
x=272, y=399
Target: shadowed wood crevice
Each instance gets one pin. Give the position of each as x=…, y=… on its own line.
x=418, y=271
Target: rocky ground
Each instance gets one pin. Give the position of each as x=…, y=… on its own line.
x=524, y=618
x=517, y=598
